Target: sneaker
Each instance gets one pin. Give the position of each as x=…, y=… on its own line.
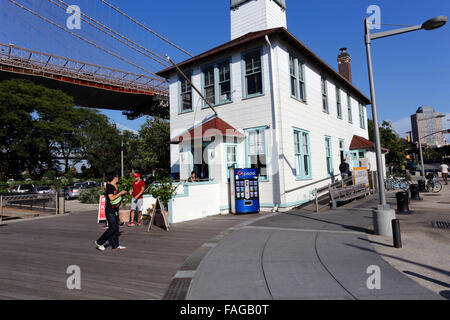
x=131, y=224
x=99, y=247
x=119, y=248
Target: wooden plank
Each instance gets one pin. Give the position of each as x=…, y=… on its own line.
x=35, y=256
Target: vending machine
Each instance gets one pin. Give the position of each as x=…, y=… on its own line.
x=244, y=191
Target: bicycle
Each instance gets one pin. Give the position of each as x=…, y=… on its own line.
x=433, y=185
x=395, y=183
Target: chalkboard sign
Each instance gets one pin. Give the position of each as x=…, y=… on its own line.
x=160, y=217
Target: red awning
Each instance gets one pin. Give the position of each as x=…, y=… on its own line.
x=211, y=128
x=362, y=143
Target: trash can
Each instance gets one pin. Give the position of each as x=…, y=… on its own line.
x=415, y=194
x=402, y=202
x=422, y=185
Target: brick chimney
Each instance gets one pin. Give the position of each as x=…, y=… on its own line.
x=345, y=65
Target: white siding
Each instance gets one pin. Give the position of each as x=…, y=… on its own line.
x=256, y=15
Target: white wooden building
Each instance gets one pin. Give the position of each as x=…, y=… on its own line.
x=279, y=108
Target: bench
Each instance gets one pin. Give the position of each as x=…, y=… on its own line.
x=348, y=193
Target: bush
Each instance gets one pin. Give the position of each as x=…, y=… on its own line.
x=91, y=196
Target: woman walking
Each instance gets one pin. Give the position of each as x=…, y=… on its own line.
x=113, y=200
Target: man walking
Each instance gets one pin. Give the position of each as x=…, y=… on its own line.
x=138, y=199
x=344, y=168
x=112, y=205
x=444, y=171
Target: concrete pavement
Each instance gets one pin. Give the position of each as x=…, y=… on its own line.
x=299, y=255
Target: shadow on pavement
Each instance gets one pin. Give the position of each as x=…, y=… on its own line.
x=441, y=283
x=445, y=272
x=350, y=227
x=375, y=242
x=445, y=294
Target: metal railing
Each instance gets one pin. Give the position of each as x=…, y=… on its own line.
x=35, y=204
x=39, y=62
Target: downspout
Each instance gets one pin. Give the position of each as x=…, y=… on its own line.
x=277, y=133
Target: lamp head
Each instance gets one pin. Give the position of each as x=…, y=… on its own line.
x=435, y=23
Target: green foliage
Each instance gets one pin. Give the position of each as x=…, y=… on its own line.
x=164, y=190
x=152, y=150
x=125, y=185
x=91, y=195
x=391, y=140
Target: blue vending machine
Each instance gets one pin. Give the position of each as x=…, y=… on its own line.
x=244, y=191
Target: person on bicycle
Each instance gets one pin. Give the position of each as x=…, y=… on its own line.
x=444, y=171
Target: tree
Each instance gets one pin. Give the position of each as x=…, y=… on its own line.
x=25, y=138
x=390, y=140
x=153, y=154
x=101, y=145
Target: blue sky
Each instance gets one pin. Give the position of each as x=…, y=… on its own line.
x=411, y=70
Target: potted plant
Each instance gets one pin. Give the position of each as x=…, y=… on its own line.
x=164, y=190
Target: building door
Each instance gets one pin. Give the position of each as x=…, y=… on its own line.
x=352, y=159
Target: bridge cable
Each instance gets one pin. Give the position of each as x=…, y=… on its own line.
x=146, y=28
x=88, y=41
x=109, y=29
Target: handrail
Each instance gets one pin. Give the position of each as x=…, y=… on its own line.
x=312, y=183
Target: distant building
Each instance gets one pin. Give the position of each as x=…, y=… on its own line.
x=422, y=127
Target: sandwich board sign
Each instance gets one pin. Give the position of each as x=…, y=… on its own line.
x=361, y=176
x=101, y=216
x=160, y=217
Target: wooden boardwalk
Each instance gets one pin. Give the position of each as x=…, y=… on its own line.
x=35, y=255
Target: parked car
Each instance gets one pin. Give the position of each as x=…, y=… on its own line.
x=25, y=188
x=44, y=190
x=72, y=192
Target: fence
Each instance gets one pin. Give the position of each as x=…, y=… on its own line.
x=30, y=205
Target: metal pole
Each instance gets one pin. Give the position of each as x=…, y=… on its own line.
x=121, y=155
x=380, y=168
x=421, y=159
x=1, y=208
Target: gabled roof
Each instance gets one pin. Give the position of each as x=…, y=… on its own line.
x=362, y=143
x=284, y=34
x=211, y=128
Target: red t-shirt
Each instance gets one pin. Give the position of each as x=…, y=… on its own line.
x=137, y=186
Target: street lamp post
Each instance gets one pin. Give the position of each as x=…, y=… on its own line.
x=121, y=154
x=384, y=214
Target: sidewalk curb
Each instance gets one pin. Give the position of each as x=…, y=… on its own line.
x=181, y=283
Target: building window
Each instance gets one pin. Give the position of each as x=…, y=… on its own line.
x=217, y=83
x=349, y=108
x=342, y=149
x=338, y=103
x=232, y=157
x=257, y=152
x=362, y=118
x=185, y=95
x=253, y=74
x=324, y=95
x=297, y=71
x=224, y=82
x=209, y=87
x=301, y=80
x=329, y=156
x=293, y=77
x=302, y=154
